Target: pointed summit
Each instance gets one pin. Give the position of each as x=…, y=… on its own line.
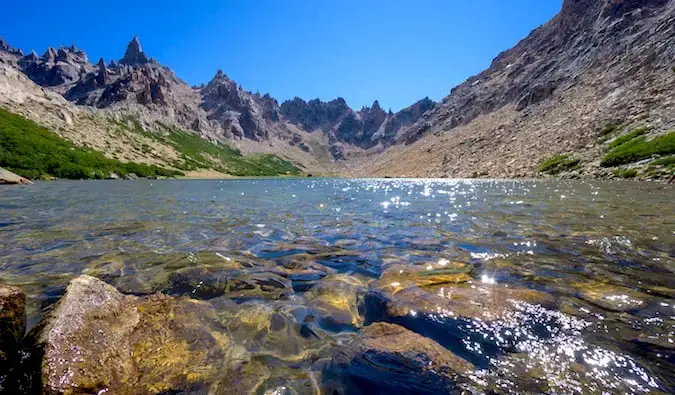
x=134, y=54
x=49, y=55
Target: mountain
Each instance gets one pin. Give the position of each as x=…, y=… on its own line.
x=596, y=71
x=587, y=94
x=138, y=87
x=367, y=128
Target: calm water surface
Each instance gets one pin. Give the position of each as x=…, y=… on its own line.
x=603, y=253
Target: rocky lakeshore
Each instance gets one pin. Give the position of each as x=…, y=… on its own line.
x=213, y=337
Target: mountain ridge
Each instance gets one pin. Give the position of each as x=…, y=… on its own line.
x=546, y=96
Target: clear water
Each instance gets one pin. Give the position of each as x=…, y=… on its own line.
x=603, y=252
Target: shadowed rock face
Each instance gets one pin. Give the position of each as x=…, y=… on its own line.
x=12, y=328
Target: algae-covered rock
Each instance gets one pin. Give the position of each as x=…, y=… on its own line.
x=388, y=356
x=398, y=277
x=97, y=339
x=12, y=328
x=336, y=299
x=611, y=297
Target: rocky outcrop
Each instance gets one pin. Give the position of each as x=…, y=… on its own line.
x=134, y=55
x=9, y=54
x=98, y=340
x=365, y=129
x=235, y=110
x=58, y=69
x=7, y=177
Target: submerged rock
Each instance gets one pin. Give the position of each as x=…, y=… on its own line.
x=208, y=283
x=12, y=328
x=336, y=299
x=398, y=277
x=611, y=297
x=98, y=340
x=281, y=330
x=387, y=357
x=470, y=301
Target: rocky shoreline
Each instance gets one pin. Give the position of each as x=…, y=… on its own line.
x=214, y=331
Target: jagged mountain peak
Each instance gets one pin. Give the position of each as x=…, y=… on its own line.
x=134, y=54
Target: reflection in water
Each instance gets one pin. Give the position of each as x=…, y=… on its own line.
x=546, y=286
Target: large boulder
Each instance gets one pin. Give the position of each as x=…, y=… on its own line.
x=388, y=356
x=7, y=177
x=98, y=340
x=12, y=328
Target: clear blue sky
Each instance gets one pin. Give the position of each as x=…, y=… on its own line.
x=395, y=51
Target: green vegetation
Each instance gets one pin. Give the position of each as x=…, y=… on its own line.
x=558, y=164
x=625, y=173
x=197, y=153
x=609, y=129
x=32, y=151
x=638, y=148
x=663, y=167
x=627, y=137
x=665, y=161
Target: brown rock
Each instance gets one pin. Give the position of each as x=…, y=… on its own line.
x=97, y=339
x=12, y=321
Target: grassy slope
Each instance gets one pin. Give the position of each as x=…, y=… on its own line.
x=197, y=153
x=32, y=151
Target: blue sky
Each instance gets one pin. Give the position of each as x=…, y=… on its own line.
x=394, y=51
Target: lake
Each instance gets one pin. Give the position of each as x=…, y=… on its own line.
x=561, y=286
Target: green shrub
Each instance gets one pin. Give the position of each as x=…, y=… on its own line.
x=625, y=173
x=665, y=161
x=32, y=151
x=558, y=164
x=627, y=137
x=638, y=149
